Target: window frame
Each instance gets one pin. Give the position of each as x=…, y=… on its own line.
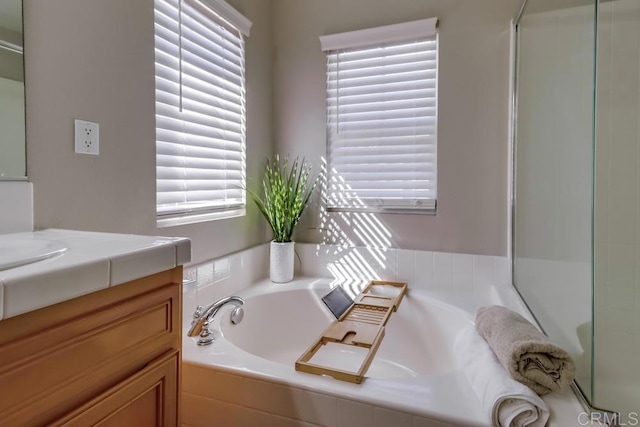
x=362, y=40
x=221, y=17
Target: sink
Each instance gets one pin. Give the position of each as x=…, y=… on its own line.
x=15, y=252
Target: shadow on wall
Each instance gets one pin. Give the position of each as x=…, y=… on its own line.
x=340, y=232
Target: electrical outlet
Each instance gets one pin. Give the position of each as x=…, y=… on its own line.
x=87, y=137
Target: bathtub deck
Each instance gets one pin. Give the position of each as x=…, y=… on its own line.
x=225, y=383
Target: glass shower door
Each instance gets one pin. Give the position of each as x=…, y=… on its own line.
x=553, y=173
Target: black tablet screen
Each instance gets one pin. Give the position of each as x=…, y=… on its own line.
x=338, y=301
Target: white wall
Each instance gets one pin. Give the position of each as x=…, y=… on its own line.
x=473, y=116
x=94, y=60
x=617, y=209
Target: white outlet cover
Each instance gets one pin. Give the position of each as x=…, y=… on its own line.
x=87, y=137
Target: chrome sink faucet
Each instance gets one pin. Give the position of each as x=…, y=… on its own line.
x=202, y=318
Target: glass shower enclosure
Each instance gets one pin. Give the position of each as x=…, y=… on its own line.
x=576, y=187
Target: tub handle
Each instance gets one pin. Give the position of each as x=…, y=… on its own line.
x=206, y=335
x=202, y=318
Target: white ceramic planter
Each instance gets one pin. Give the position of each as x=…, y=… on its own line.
x=281, y=262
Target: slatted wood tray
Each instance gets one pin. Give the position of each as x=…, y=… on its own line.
x=362, y=326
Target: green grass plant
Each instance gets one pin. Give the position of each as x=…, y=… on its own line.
x=285, y=193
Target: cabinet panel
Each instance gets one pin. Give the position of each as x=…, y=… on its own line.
x=65, y=355
x=144, y=410
x=147, y=398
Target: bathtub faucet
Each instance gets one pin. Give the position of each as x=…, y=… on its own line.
x=203, y=317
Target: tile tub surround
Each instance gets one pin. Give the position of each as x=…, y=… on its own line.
x=420, y=269
x=91, y=262
x=239, y=394
x=232, y=400
x=211, y=396
x=437, y=271
x=447, y=274
x=212, y=280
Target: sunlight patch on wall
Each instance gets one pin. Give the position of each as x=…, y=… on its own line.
x=356, y=243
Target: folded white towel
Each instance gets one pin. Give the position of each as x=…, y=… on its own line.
x=526, y=353
x=508, y=403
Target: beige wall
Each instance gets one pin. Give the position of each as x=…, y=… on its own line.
x=94, y=60
x=473, y=115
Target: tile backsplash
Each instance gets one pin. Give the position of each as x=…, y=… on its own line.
x=420, y=269
x=212, y=280
x=226, y=275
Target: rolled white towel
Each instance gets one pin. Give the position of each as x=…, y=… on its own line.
x=508, y=403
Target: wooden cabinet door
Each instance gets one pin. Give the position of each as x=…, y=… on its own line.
x=147, y=398
x=54, y=360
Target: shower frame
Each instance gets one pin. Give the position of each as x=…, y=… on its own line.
x=594, y=412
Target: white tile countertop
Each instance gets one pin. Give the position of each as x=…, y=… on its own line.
x=81, y=262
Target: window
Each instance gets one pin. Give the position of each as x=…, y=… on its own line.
x=382, y=118
x=200, y=110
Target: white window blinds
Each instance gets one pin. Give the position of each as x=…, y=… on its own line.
x=200, y=107
x=382, y=117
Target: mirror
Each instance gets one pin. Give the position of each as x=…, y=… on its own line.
x=12, y=105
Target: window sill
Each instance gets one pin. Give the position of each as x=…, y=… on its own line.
x=193, y=218
x=402, y=211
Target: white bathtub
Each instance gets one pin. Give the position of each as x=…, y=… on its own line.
x=417, y=342
x=247, y=376
x=414, y=372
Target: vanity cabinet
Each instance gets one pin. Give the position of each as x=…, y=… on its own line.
x=110, y=358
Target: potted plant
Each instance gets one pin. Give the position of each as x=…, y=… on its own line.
x=286, y=191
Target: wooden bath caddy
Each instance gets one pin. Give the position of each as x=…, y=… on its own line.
x=361, y=325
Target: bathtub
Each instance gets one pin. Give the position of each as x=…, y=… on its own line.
x=413, y=375
x=247, y=376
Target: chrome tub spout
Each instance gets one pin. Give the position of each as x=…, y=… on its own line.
x=202, y=318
